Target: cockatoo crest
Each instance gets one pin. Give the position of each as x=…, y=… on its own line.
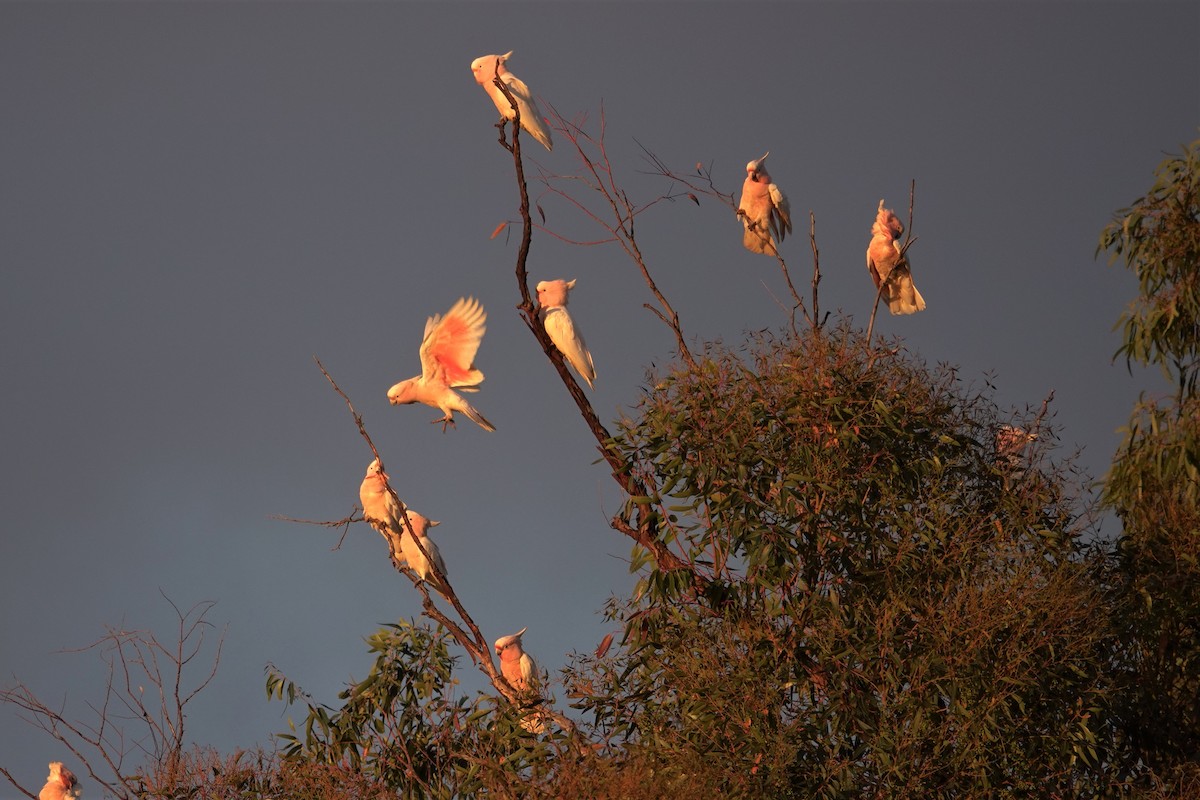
x=752, y=167
x=420, y=523
x=508, y=641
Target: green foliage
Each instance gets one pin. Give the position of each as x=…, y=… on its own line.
x=391, y=724
x=889, y=610
x=402, y=729
x=1154, y=483
x=203, y=774
x=1159, y=238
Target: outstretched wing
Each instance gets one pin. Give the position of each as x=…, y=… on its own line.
x=451, y=341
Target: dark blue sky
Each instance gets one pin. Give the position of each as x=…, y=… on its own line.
x=196, y=199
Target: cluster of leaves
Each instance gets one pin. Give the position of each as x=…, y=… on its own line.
x=1154, y=483
x=402, y=728
x=889, y=609
x=204, y=774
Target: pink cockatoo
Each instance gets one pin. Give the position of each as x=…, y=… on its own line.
x=61, y=784
x=380, y=509
x=764, y=210
x=486, y=69
x=552, y=298
x=517, y=666
x=519, y=669
x=413, y=555
x=1011, y=442
x=447, y=363
x=888, y=267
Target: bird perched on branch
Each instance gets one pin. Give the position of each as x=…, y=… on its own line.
x=552, y=298
x=764, y=210
x=61, y=784
x=1011, y=442
x=519, y=669
x=888, y=267
x=447, y=363
x=486, y=69
x=413, y=555
x=517, y=666
x=380, y=508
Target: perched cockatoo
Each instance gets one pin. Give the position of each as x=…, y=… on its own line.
x=380, y=508
x=552, y=297
x=517, y=667
x=1011, y=442
x=416, y=559
x=888, y=267
x=61, y=784
x=447, y=363
x=764, y=210
x=486, y=69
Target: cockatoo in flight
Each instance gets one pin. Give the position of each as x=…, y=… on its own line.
x=888, y=267
x=447, y=363
x=486, y=69
x=61, y=784
x=413, y=555
x=380, y=508
x=764, y=210
x=552, y=298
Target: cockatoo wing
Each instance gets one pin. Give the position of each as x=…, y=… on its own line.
x=528, y=670
x=569, y=342
x=903, y=297
x=531, y=116
x=450, y=343
x=781, y=220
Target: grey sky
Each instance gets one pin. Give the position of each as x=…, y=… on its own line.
x=196, y=199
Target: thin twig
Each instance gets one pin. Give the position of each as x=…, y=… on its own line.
x=473, y=642
x=643, y=532
x=816, y=279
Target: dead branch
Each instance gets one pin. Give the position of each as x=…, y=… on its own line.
x=816, y=279
x=16, y=785
x=471, y=638
x=623, y=230
x=145, y=686
x=624, y=212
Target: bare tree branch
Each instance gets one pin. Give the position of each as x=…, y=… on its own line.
x=145, y=688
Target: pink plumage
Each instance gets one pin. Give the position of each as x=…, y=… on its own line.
x=888, y=267
x=61, y=784
x=448, y=363
x=764, y=210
